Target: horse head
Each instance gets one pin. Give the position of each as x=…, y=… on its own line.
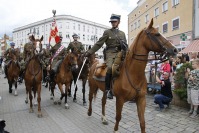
x=37, y=45
x=73, y=61
x=156, y=42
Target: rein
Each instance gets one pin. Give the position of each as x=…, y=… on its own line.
x=154, y=39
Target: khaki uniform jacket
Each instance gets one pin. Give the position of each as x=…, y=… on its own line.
x=28, y=51
x=75, y=45
x=111, y=41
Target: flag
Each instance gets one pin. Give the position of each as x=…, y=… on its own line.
x=54, y=37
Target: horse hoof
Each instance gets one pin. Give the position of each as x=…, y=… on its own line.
x=59, y=102
x=74, y=100
x=104, y=120
x=89, y=113
x=55, y=103
x=51, y=98
x=84, y=104
x=66, y=106
x=10, y=91
x=31, y=111
x=26, y=101
x=15, y=94
x=35, y=104
x=39, y=115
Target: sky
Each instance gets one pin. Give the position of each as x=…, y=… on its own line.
x=16, y=13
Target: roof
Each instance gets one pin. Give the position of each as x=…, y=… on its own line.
x=192, y=47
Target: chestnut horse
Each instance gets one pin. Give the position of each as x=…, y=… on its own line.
x=132, y=75
x=33, y=75
x=13, y=70
x=64, y=76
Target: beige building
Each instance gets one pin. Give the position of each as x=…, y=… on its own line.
x=173, y=18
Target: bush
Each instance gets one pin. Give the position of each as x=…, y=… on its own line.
x=180, y=81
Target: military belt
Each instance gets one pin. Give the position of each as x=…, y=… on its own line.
x=117, y=48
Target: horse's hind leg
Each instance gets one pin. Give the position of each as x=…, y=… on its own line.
x=30, y=98
x=62, y=93
x=91, y=93
x=16, y=88
x=119, y=106
x=141, y=104
x=84, y=90
x=104, y=120
x=26, y=101
x=39, y=114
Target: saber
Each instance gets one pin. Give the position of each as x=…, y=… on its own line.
x=79, y=74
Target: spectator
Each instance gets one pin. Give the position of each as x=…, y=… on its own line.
x=193, y=89
x=165, y=95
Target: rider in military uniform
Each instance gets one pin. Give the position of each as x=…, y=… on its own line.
x=114, y=40
x=8, y=57
x=75, y=45
x=56, y=60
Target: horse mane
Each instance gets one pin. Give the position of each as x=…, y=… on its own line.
x=134, y=44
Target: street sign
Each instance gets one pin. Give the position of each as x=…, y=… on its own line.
x=184, y=43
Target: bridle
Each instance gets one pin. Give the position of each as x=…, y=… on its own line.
x=153, y=38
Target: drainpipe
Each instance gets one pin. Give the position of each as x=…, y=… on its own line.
x=193, y=21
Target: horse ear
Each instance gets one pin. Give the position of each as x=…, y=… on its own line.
x=151, y=24
x=33, y=38
x=41, y=39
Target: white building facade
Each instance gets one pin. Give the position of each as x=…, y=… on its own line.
x=89, y=32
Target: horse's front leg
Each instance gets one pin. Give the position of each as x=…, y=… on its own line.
x=16, y=88
x=74, y=98
x=84, y=90
x=119, y=106
x=104, y=120
x=62, y=92
x=26, y=100
x=66, y=94
x=39, y=114
x=69, y=89
x=141, y=104
x=10, y=86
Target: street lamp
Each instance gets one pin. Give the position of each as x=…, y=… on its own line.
x=54, y=12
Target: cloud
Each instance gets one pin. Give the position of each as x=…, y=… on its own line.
x=16, y=13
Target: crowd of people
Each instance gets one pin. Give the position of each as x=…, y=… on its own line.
x=165, y=77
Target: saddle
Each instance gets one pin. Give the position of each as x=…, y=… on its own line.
x=100, y=70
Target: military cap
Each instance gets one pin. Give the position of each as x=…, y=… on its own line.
x=74, y=35
x=12, y=44
x=115, y=17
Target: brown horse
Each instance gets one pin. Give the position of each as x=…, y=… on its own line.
x=132, y=75
x=64, y=77
x=33, y=75
x=13, y=70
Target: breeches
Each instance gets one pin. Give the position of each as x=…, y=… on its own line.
x=110, y=57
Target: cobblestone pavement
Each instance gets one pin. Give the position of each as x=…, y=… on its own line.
x=57, y=119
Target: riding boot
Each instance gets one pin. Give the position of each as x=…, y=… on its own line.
x=107, y=85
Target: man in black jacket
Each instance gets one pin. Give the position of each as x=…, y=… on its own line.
x=165, y=95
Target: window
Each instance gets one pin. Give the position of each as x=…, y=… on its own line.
x=79, y=27
x=88, y=29
x=42, y=28
x=73, y=26
x=165, y=7
x=92, y=29
x=165, y=27
x=135, y=25
x=46, y=27
x=67, y=35
x=175, y=2
x=175, y=24
x=132, y=27
x=83, y=37
x=79, y=36
x=46, y=37
x=67, y=25
x=139, y=23
x=60, y=33
x=59, y=25
x=156, y=12
x=96, y=31
x=147, y=18
x=84, y=28
x=87, y=37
